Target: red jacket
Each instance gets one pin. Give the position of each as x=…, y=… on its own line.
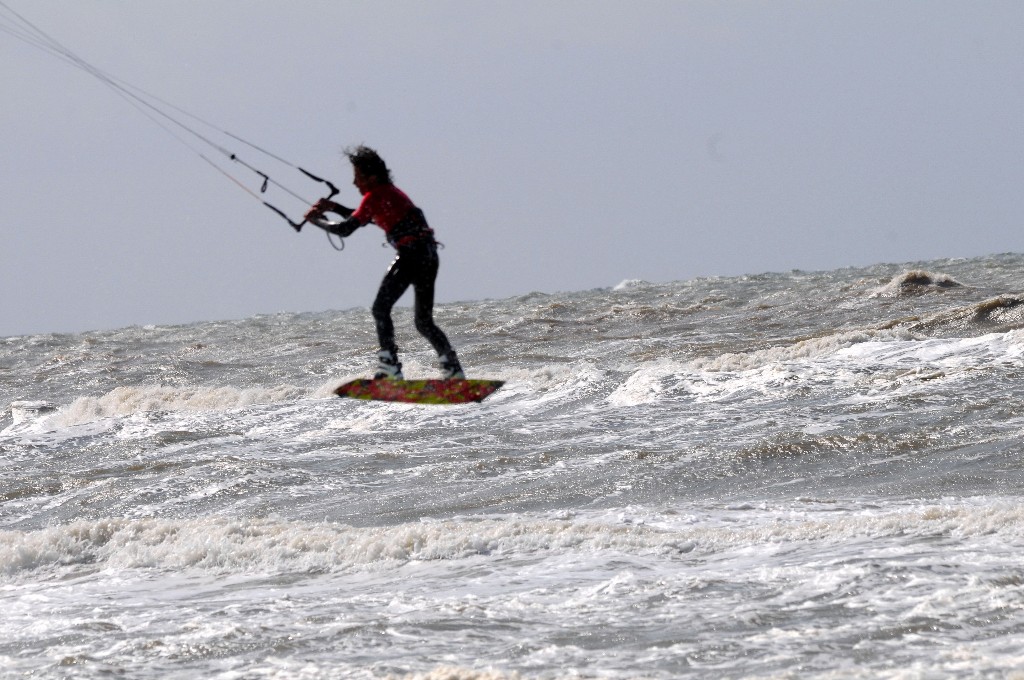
x=389, y=208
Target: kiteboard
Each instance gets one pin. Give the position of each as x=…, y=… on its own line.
x=456, y=391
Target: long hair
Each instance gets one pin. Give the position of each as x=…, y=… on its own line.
x=369, y=163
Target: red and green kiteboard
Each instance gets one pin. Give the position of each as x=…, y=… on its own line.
x=435, y=391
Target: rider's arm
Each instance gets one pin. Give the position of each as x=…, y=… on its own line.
x=343, y=227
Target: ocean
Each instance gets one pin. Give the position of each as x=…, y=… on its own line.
x=784, y=475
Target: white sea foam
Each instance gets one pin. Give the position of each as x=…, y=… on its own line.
x=647, y=384
x=219, y=544
x=29, y=417
x=853, y=359
x=123, y=401
x=941, y=352
x=810, y=348
x=28, y=411
x=268, y=545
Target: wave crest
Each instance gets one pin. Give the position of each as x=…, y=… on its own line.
x=123, y=401
x=916, y=282
x=223, y=544
x=998, y=314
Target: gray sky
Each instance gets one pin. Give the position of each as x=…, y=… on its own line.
x=554, y=146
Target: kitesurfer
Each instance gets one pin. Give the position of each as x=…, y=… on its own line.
x=416, y=264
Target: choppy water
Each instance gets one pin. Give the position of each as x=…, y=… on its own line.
x=775, y=476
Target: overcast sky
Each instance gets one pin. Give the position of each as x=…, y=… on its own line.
x=554, y=146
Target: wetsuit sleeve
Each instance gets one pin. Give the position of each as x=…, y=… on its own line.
x=347, y=227
x=343, y=228
x=338, y=208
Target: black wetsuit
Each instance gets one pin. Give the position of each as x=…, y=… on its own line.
x=416, y=265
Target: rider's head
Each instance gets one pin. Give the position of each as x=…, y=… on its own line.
x=368, y=163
